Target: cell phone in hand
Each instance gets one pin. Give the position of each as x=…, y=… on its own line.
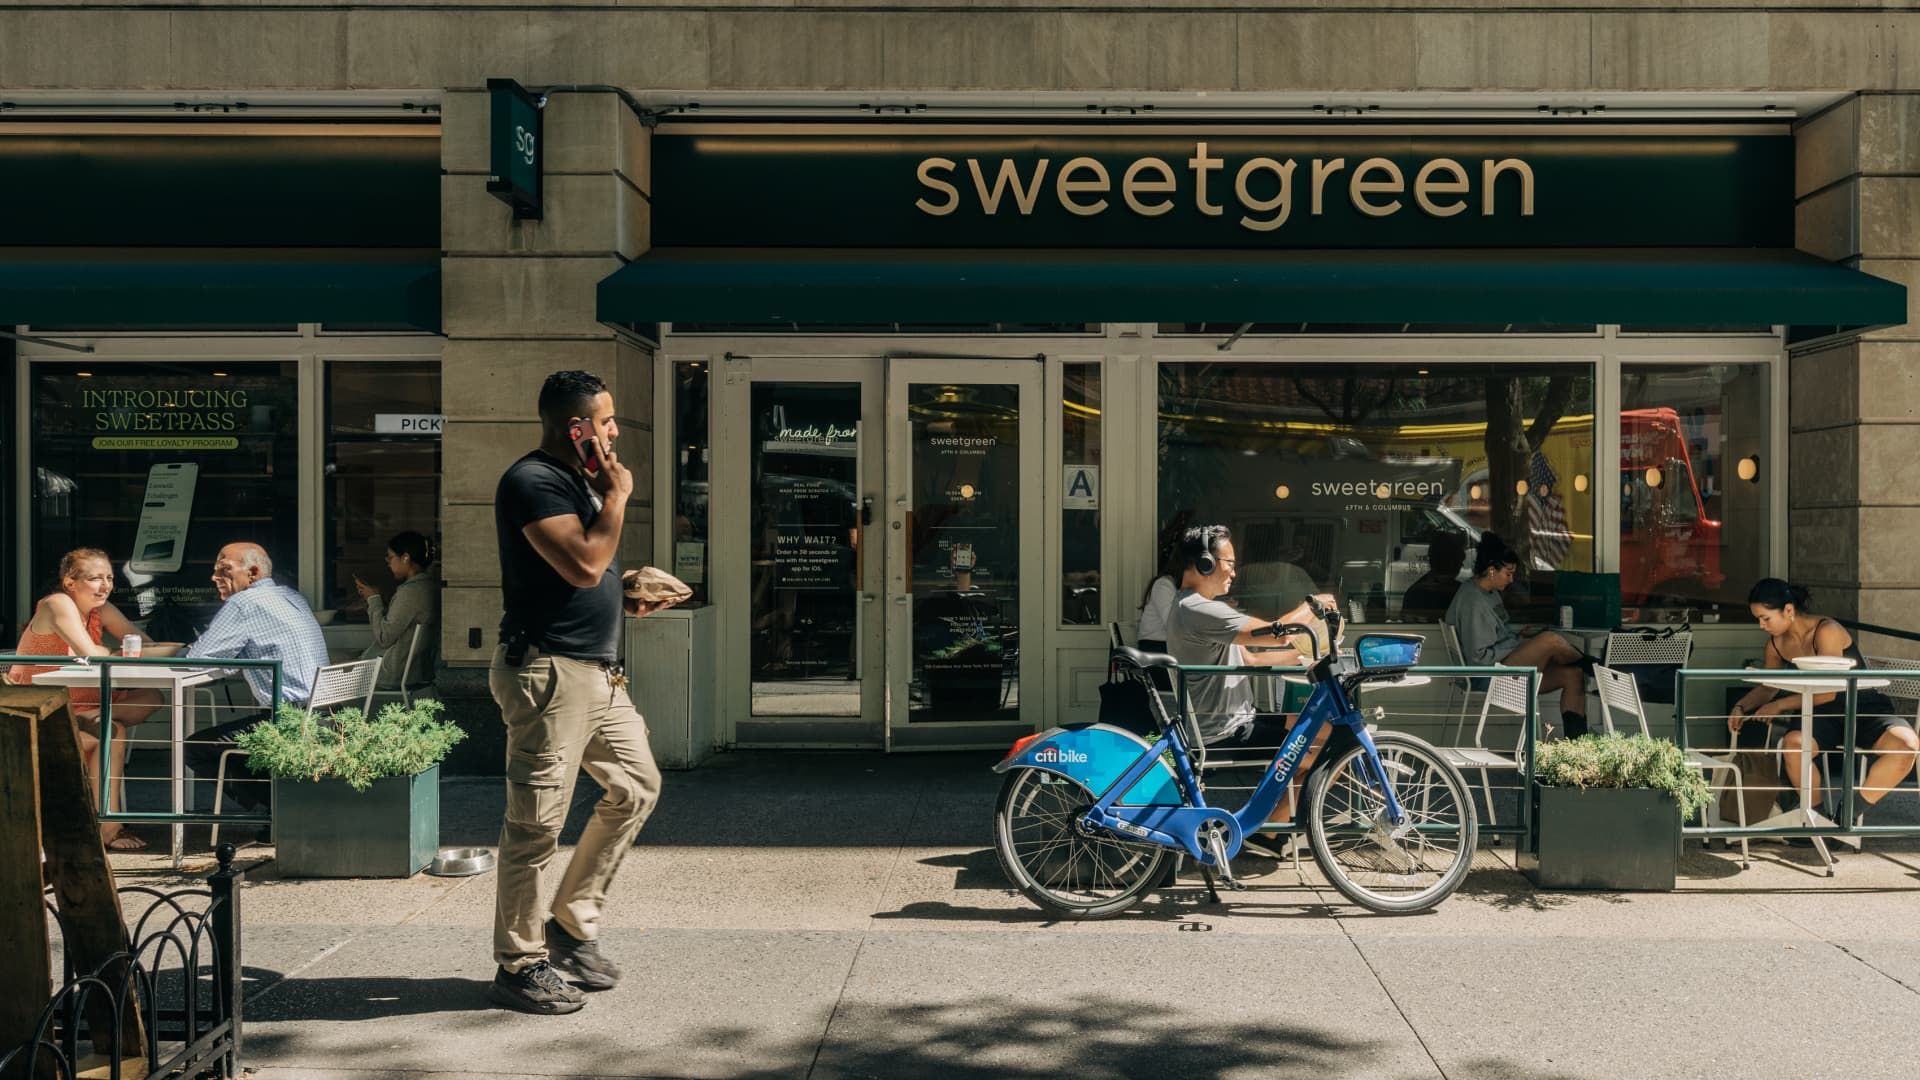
x=586, y=445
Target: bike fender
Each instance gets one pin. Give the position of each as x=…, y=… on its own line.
x=1096, y=755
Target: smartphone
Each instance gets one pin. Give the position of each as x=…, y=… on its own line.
x=585, y=445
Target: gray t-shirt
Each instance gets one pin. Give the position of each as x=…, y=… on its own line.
x=1201, y=631
x=1478, y=616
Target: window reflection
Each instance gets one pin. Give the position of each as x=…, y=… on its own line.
x=1359, y=479
x=383, y=474
x=1693, y=528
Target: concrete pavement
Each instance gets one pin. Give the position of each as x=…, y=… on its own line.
x=842, y=915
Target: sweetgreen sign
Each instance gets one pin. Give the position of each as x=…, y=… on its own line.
x=515, y=149
x=1007, y=186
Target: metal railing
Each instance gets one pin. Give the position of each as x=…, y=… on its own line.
x=181, y=812
x=1394, y=718
x=1689, y=683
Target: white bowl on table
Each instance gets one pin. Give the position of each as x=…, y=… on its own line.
x=1823, y=663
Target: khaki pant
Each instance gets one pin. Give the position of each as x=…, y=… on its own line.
x=562, y=715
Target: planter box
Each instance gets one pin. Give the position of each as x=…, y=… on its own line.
x=1624, y=839
x=323, y=828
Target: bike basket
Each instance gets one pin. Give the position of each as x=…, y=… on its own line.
x=1382, y=652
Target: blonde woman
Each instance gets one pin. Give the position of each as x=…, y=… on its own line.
x=74, y=620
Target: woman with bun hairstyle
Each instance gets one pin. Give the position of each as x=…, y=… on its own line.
x=1487, y=637
x=1792, y=630
x=416, y=602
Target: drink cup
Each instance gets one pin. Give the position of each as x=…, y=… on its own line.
x=1566, y=616
x=130, y=645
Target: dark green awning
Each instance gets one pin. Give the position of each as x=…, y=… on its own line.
x=1644, y=287
x=169, y=287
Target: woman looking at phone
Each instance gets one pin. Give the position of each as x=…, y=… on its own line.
x=416, y=602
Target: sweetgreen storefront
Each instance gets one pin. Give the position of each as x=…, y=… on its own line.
x=932, y=399
x=204, y=320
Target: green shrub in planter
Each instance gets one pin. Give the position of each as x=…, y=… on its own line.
x=1608, y=810
x=353, y=795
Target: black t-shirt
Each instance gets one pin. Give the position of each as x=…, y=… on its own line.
x=580, y=623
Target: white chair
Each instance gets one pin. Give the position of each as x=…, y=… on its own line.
x=1900, y=689
x=1619, y=693
x=404, y=693
x=1508, y=695
x=334, y=685
x=1464, y=685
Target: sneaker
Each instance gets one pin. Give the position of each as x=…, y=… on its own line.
x=582, y=962
x=1270, y=845
x=536, y=989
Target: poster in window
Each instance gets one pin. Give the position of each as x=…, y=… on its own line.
x=160, y=544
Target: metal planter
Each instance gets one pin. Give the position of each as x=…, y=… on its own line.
x=324, y=829
x=1620, y=839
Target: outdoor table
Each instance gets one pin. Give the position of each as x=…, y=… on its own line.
x=1804, y=814
x=176, y=681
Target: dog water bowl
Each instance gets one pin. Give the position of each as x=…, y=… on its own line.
x=461, y=862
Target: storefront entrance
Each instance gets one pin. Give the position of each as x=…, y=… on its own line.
x=870, y=580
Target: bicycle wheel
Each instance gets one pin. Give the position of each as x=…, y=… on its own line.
x=1371, y=863
x=1037, y=835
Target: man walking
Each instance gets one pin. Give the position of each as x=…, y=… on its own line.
x=558, y=512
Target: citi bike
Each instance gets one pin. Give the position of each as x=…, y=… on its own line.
x=1089, y=814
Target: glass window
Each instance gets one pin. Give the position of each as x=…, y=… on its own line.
x=383, y=473
x=1080, y=505
x=162, y=464
x=1694, y=491
x=1476, y=329
x=1371, y=481
x=690, y=478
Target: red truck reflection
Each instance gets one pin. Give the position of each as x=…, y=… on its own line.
x=1669, y=547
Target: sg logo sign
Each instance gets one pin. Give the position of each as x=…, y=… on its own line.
x=523, y=143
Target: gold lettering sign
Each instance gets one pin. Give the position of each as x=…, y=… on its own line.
x=1263, y=187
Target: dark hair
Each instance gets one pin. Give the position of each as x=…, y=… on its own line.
x=1201, y=540
x=414, y=546
x=1493, y=554
x=1777, y=594
x=567, y=394
x=1447, y=551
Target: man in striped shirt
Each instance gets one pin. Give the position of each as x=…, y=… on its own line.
x=260, y=619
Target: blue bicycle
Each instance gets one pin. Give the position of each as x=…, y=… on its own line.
x=1089, y=814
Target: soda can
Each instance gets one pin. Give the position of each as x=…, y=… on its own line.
x=1566, y=616
x=130, y=645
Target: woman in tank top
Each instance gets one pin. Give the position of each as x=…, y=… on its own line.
x=1792, y=630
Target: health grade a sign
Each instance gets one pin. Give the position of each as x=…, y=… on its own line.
x=896, y=185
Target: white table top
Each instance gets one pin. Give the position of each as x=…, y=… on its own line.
x=1815, y=686
x=141, y=676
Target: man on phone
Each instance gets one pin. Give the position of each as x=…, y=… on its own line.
x=558, y=513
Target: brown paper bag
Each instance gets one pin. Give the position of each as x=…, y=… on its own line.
x=653, y=585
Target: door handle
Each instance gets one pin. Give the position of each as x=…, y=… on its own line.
x=866, y=510
x=867, y=598
x=902, y=598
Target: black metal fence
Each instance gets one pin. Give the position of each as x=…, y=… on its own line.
x=179, y=973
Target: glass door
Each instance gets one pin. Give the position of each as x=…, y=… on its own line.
x=963, y=534
x=809, y=635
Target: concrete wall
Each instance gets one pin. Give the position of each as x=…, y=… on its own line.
x=1854, y=410
x=934, y=44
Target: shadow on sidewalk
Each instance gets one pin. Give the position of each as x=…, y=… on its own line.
x=364, y=998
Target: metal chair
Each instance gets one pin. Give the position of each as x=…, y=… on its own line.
x=1898, y=688
x=1648, y=648
x=1508, y=694
x=1619, y=692
x=404, y=692
x=334, y=685
x=1464, y=685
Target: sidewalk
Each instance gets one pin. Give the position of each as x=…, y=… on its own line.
x=843, y=915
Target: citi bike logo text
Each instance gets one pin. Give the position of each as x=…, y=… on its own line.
x=1054, y=755
x=1287, y=757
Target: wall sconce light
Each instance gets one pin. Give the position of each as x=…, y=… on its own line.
x=1519, y=487
x=1382, y=491
x=1476, y=492
x=1653, y=476
x=1749, y=468
x=1580, y=482
x=1281, y=492
x=966, y=491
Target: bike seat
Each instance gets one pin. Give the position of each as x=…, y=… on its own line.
x=1143, y=659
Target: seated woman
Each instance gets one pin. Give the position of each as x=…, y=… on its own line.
x=1781, y=611
x=72, y=621
x=1488, y=638
x=416, y=602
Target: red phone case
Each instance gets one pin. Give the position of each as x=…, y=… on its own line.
x=584, y=447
